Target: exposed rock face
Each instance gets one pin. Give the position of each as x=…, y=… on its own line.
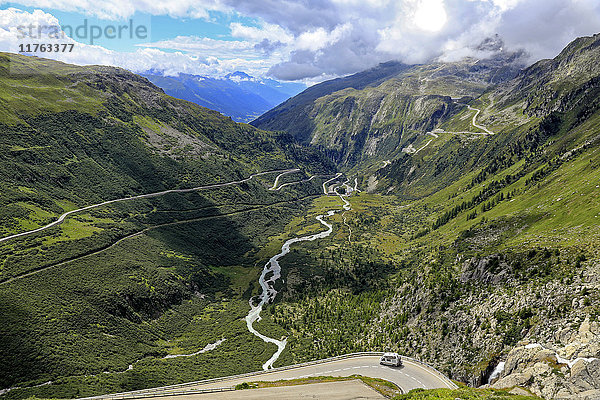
x=568, y=369
x=490, y=269
x=543, y=84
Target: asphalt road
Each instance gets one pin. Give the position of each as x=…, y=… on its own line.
x=145, y=196
x=411, y=375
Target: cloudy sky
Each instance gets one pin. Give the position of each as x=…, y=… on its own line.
x=308, y=40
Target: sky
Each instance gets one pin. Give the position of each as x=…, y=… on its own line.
x=302, y=40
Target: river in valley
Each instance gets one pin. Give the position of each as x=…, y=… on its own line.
x=272, y=270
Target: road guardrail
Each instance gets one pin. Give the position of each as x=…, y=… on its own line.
x=173, y=390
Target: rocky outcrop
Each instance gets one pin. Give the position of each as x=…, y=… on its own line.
x=567, y=369
x=490, y=269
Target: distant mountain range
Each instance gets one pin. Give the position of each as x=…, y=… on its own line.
x=237, y=95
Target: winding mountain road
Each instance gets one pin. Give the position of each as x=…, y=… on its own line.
x=411, y=150
x=330, y=180
x=292, y=171
x=249, y=208
x=411, y=375
x=277, y=188
x=145, y=196
x=485, y=130
x=474, y=123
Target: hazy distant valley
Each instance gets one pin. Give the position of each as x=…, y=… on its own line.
x=237, y=95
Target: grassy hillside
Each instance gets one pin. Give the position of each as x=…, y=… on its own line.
x=96, y=303
x=367, y=118
x=462, y=246
x=473, y=244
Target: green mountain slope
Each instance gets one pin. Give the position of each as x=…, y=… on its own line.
x=129, y=283
x=291, y=115
x=543, y=114
x=470, y=246
x=369, y=117
x=475, y=237
x=83, y=135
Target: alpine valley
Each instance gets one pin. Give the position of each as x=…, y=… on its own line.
x=463, y=198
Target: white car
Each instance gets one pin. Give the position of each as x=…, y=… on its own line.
x=392, y=359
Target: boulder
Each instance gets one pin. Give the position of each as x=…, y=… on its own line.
x=539, y=368
x=518, y=379
x=518, y=359
x=587, y=333
x=570, y=350
x=593, y=369
x=580, y=377
x=585, y=327
x=549, y=386
x=589, y=395
x=517, y=391
x=545, y=355
x=490, y=269
x=565, y=336
x=563, y=393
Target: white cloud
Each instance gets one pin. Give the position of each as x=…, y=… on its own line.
x=270, y=32
x=415, y=31
x=320, y=38
x=124, y=9
x=545, y=27
x=314, y=39
x=194, y=55
x=504, y=5
x=430, y=15
x=206, y=47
